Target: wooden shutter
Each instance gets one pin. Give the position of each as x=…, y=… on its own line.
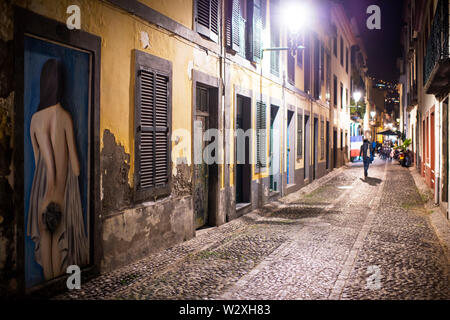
x=232, y=25
x=207, y=18
x=299, y=135
x=260, y=134
x=257, y=30
x=153, y=130
x=274, y=38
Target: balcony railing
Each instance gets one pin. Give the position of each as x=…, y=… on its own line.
x=437, y=59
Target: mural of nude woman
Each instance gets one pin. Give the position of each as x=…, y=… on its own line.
x=53, y=142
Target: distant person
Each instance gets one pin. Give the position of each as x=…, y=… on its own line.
x=366, y=153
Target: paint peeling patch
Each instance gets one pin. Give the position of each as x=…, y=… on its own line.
x=182, y=181
x=6, y=21
x=115, y=166
x=6, y=68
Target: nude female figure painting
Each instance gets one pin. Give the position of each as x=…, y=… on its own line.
x=55, y=215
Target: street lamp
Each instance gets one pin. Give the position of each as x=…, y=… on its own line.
x=373, y=114
x=296, y=16
x=357, y=96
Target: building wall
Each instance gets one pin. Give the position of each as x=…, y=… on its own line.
x=130, y=229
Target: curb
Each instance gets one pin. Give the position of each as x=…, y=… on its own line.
x=438, y=221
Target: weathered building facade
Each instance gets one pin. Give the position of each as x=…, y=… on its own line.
x=151, y=91
x=425, y=79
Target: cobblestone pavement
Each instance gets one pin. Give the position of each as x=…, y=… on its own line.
x=348, y=238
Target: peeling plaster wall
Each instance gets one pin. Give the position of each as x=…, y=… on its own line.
x=140, y=231
x=131, y=230
x=8, y=273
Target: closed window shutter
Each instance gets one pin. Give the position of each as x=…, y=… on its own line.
x=261, y=134
x=274, y=39
x=153, y=130
x=257, y=30
x=236, y=19
x=207, y=18
x=299, y=135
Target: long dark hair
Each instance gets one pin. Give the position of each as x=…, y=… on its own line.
x=51, y=84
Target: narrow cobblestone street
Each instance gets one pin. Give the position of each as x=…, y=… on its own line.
x=323, y=244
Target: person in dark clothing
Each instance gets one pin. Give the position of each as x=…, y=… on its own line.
x=366, y=153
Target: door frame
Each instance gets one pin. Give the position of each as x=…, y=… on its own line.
x=248, y=94
x=307, y=145
x=30, y=23
x=210, y=82
x=275, y=103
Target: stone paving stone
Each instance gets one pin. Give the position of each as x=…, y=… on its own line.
x=315, y=244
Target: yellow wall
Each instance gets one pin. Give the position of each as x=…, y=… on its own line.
x=120, y=34
x=179, y=10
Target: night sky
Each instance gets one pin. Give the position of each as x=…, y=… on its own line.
x=382, y=46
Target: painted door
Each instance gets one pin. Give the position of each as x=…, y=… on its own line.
x=328, y=145
x=274, y=148
x=291, y=147
x=201, y=175
x=307, y=147
x=56, y=90
x=316, y=147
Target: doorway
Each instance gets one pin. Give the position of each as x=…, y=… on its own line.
x=205, y=175
x=328, y=146
x=242, y=151
x=315, y=150
x=274, y=148
x=290, y=148
x=307, y=148
x=335, y=145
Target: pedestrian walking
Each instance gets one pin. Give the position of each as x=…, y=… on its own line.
x=366, y=153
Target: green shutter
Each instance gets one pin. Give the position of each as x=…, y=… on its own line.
x=257, y=31
x=261, y=134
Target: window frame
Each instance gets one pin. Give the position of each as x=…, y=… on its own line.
x=207, y=31
x=148, y=62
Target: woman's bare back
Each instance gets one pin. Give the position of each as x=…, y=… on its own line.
x=52, y=137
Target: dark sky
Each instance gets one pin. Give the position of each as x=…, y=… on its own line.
x=382, y=46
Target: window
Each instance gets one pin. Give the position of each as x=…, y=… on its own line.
x=322, y=62
x=300, y=42
x=335, y=92
x=274, y=38
x=300, y=134
x=342, y=51
x=307, y=64
x=322, y=139
x=316, y=69
x=346, y=60
x=260, y=134
x=347, y=97
x=236, y=26
x=291, y=67
x=152, y=126
x=334, y=40
x=342, y=96
x=255, y=17
x=207, y=18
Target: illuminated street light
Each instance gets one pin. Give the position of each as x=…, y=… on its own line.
x=373, y=114
x=296, y=16
x=357, y=96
